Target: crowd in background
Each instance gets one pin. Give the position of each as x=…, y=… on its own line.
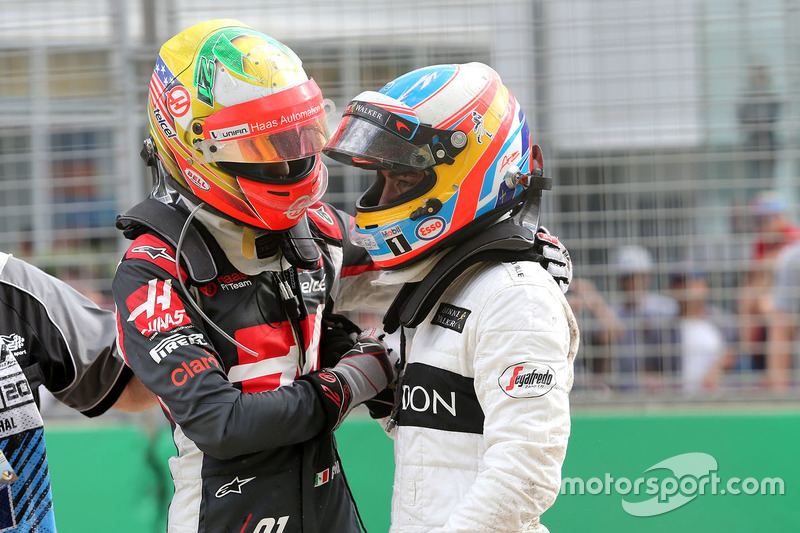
x=637, y=337
x=640, y=338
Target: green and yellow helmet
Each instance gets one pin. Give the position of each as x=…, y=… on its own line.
x=224, y=101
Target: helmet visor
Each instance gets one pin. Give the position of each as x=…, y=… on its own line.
x=283, y=126
x=363, y=143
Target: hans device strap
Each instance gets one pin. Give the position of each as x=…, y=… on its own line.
x=167, y=221
x=509, y=240
x=501, y=242
x=298, y=246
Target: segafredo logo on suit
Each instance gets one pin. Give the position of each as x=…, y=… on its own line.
x=527, y=380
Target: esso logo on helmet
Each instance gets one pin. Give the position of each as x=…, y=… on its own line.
x=430, y=228
x=196, y=178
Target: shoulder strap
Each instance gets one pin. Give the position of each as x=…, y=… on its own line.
x=167, y=221
x=503, y=242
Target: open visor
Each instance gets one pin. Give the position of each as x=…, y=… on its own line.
x=283, y=126
x=363, y=143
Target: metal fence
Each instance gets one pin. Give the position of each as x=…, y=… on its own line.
x=667, y=124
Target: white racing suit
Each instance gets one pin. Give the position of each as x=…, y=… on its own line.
x=483, y=419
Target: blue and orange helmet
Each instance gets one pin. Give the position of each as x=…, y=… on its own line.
x=464, y=129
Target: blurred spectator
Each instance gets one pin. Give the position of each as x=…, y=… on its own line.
x=79, y=279
x=642, y=352
x=774, y=231
x=599, y=324
x=784, y=319
x=704, y=334
x=754, y=306
x=758, y=113
x=773, y=226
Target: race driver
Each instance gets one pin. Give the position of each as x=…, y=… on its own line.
x=481, y=420
x=228, y=335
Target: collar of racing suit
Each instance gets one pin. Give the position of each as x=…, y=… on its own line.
x=237, y=243
x=410, y=274
x=253, y=251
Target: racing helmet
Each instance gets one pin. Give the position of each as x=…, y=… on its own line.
x=463, y=128
x=230, y=109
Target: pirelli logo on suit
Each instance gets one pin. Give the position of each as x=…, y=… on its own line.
x=173, y=342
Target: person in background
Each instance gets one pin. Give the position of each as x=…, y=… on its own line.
x=758, y=114
x=774, y=231
x=50, y=336
x=783, y=321
x=705, y=335
x=481, y=419
x=642, y=354
x=774, y=227
x=599, y=325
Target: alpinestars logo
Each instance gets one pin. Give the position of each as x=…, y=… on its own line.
x=233, y=487
x=153, y=252
x=322, y=214
x=527, y=380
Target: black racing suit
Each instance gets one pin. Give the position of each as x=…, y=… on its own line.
x=252, y=453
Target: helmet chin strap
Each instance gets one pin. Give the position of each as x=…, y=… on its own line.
x=249, y=243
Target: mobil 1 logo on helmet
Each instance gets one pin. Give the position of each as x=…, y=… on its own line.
x=430, y=228
x=527, y=380
x=396, y=240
